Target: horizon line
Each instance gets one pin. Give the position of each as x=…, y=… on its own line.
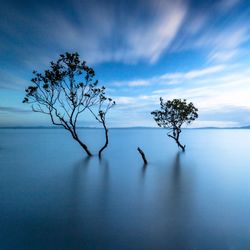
x=129, y=127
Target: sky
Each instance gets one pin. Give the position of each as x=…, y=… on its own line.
x=141, y=50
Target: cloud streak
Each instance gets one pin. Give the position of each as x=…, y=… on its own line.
x=101, y=31
x=13, y=110
x=138, y=37
x=223, y=99
x=173, y=78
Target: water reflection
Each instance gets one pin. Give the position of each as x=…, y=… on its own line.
x=80, y=171
x=78, y=187
x=90, y=175
x=181, y=209
x=180, y=181
x=192, y=200
x=104, y=169
x=176, y=170
x=104, y=182
x=143, y=171
x=90, y=183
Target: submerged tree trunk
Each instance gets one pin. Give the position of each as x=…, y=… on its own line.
x=106, y=138
x=180, y=145
x=175, y=136
x=84, y=146
x=143, y=156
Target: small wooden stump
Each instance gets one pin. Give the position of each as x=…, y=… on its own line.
x=143, y=156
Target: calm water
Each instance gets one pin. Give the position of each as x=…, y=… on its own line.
x=53, y=197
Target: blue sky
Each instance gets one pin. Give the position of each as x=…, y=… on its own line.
x=140, y=50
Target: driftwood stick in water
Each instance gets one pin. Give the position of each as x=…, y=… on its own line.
x=143, y=156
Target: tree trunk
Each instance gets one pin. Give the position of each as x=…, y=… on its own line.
x=180, y=145
x=106, y=139
x=175, y=136
x=84, y=146
x=143, y=156
x=178, y=142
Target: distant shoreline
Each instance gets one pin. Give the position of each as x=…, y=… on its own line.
x=47, y=127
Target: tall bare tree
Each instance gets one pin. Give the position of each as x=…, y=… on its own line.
x=65, y=91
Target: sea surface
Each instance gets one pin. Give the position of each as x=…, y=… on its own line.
x=54, y=197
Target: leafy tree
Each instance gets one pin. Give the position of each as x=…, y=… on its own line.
x=64, y=91
x=173, y=114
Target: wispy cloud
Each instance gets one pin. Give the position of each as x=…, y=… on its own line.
x=216, y=30
x=138, y=39
x=173, y=78
x=226, y=5
x=224, y=45
x=109, y=36
x=149, y=42
x=9, y=80
x=203, y=72
x=222, y=99
x=222, y=55
x=13, y=110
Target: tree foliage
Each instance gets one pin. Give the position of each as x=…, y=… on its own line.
x=64, y=91
x=173, y=114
